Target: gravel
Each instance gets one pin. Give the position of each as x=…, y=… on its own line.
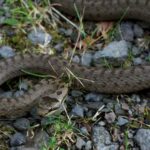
x=6, y=52
x=142, y=138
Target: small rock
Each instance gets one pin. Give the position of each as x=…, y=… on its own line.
x=127, y=31
x=136, y=51
x=118, y=109
x=59, y=47
x=17, y=139
x=78, y=111
x=110, y=117
x=23, y=86
x=142, y=138
x=66, y=32
x=93, y=97
x=22, y=124
x=18, y=93
x=136, y=98
x=88, y=145
x=113, y=50
x=80, y=143
x=40, y=138
x=84, y=131
x=100, y=136
x=86, y=59
x=138, y=31
x=76, y=59
x=8, y=94
x=75, y=93
x=39, y=37
x=137, y=61
x=121, y=121
x=6, y=52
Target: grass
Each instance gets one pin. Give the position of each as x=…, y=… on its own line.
x=63, y=133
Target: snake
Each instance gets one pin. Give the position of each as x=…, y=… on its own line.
x=103, y=80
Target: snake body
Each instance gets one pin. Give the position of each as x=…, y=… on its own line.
x=100, y=80
x=92, y=79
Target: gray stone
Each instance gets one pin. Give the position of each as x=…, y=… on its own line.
x=78, y=111
x=127, y=32
x=84, y=131
x=59, y=47
x=86, y=59
x=101, y=136
x=6, y=51
x=122, y=121
x=17, y=139
x=38, y=36
x=8, y=94
x=138, y=31
x=110, y=117
x=136, y=51
x=23, y=86
x=22, y=124
x=142, y=138
x=118, y=109
x=94, y=97
x=40, y=138
x=75, y=93
x=136, y=98
x=80, y=143
x=88, y=145
x=18, y=93
x=113, y=50
x=137, y=61
x=76, y=59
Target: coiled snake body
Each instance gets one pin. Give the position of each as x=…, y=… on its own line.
x=102, y=80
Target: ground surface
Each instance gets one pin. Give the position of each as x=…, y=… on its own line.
x=90, y=120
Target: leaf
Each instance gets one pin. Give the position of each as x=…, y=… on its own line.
x=11, y=21
x=104, y=27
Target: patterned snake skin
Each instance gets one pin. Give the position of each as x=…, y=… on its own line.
x=92, y=79
x=100, y=80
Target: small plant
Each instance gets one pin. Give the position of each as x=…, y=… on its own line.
x=63, y=134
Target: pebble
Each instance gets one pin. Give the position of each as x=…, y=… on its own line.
x=86, y=59
x=88, y=145
x=136, y=98
x=66, y=32
x=110, y=117
x=76, y=59
x=18, y=93
x=78, y=111
x=84, y=131
x=59, y=47
x=136, y=51
x=118, y=109
x=142, y=138
x=38, y=36
x=138, y=31
x=127, y=32
x=137, y=61
x=94, y=97
x=22, y=124
x=122, y=121
x=80, y=143
x=6, y=52
x=17, y=139
x=23, y=86
x=8, y=94
x=116, y=49
x=100, y=136
x=75, y=93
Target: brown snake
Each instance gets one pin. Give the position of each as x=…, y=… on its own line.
x=102, y=80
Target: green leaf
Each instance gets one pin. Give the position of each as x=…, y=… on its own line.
x=11, y=21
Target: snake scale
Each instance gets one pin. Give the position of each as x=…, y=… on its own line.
x=99, y=80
